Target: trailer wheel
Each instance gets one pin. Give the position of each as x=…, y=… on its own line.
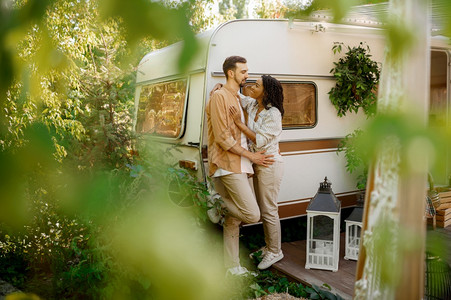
x=178, y=194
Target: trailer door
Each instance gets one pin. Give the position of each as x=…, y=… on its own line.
x=439, y=105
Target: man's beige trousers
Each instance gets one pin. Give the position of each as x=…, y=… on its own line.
x=237, y=192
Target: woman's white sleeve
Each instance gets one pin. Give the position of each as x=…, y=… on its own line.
x=270, y=129
x=246, y=101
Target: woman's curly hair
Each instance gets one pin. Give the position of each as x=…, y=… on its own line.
x=273, y=93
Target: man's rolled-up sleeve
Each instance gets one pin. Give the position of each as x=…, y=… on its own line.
x=220, y=122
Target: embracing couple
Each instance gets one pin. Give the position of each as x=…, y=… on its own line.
x=244, y=158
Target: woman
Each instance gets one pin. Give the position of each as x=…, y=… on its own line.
x=264, y=107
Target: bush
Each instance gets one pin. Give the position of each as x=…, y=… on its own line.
x=66, y=251
x=357, y=78
x=13, y=264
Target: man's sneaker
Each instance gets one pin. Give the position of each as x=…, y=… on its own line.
x=260, y=252
x=240, y=271
x=269, y=259
x=215, y=213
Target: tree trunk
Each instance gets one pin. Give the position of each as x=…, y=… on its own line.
x=391, y=262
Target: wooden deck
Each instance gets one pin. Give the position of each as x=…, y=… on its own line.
x=293, y=266
x=342, y=281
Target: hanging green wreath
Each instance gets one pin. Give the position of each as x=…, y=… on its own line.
x=357, y=78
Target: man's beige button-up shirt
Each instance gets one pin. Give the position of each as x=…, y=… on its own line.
x=223, y=134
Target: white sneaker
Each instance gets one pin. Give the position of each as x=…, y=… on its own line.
x=240, y=271
x=263, y=250
x=214, y=212
x=269, y=259
x=213, y=215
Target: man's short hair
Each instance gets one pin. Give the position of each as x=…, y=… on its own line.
x=230, y=63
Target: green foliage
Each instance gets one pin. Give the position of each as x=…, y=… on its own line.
x=18, y=164
x=267, y=283
x=70, y=174
x=67, y=242
x=155, y=167
x=235, y=7
x=144, y=18
x=61, y=251
x=339, y=8
x=355, y=160
x=197, y=12
x=13, y=264
x=418, y=146
x=49, y=48
x=270, y=9
x=271, y=283
x=357, y=78
x=436, y=245
x=445, y=18
x=85, y=101
x=316, y=292
x=43, y=258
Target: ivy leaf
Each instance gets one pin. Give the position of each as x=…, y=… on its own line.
x=357, y=78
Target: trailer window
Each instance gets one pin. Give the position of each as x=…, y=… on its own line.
x=161, y=108
x=299, y=104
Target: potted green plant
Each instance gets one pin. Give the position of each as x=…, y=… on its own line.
x=357, y=77
x=356, y=80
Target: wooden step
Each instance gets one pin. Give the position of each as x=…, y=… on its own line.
x=446, y=194
x=444, y=206
x=444, y=212
x=443, y=218
x=445, y=200
x=443, y=224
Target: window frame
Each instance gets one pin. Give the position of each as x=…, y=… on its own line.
x=316, y=104
x=316, y=101
x=156, y=136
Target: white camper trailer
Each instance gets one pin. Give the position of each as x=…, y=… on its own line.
x=170, y=107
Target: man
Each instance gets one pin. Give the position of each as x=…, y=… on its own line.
x=230, y=162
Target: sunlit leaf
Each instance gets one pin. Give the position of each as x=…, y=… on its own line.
x=429, y=142
x=143, y=18
x=339, y=8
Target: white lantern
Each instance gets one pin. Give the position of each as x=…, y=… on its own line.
x=353, y=231
x=323, y=229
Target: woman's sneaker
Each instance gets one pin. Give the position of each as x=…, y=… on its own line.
x=269, y=259
x=260, y=252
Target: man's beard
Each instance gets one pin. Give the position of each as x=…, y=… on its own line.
x=241, y=83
